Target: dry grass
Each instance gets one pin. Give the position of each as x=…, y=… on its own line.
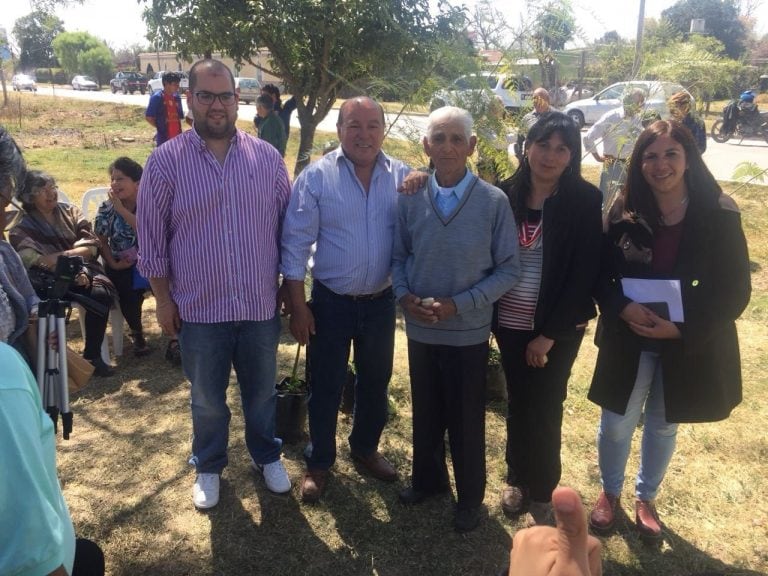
x=128, y=484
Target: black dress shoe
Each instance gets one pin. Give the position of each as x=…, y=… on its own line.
x=467, y=519
x=411, y=496
x=101, y=368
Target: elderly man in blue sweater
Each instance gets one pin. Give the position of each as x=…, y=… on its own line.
x=455, y=254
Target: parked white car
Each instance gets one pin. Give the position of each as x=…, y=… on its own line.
x=156, y=83
x=249, y=88
x=515, y=92
x=589, y=110
x=23, y=82
x=84, y=83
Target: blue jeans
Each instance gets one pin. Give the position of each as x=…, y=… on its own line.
x=209, y=351
x=614, y=436
x=339, y=321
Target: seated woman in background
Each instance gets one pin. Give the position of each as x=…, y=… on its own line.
x=115, y=226
x=46, y=230
x=18, y=301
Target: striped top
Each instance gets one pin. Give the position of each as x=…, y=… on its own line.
x=353, y=230
x=213, y=229
x=517, y=308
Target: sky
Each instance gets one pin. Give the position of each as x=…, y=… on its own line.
x=119, y=21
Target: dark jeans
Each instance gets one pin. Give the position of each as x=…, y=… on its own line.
x=448, y=393
x=130, y=299
x=340, y=321
x=95, y=324
x=535, y=399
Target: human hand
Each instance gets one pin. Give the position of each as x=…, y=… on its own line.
x=537, y=350
x=421, y=309
x=82, y=279
x=444, y=308
x=637, y=314
x=413, y=182
x=284, y=305
x=168, y=317
x=567, y=550
x=48, y=261
x=116, y=202
x=659, y=329
x=302, y=323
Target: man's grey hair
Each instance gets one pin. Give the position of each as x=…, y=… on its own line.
x=450, y=114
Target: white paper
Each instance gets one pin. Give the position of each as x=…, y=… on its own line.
x=642, y=290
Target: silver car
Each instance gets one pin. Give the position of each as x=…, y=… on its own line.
x=589, y=110
x=23, y=82
x=81, y=82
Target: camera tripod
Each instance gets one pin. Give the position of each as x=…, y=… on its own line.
x=52, y=373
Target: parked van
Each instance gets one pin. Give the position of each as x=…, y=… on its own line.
x=250, y=89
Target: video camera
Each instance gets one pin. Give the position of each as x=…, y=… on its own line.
x=56, y=285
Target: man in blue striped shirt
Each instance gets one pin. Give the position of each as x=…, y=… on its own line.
x=345, y=204
x=210, y=208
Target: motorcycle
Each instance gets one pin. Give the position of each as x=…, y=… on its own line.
x=739, y=123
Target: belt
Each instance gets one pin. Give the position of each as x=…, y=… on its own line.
x=612, y=160
x=387, y=292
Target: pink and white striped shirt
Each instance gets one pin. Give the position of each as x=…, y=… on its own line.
x=214, y=230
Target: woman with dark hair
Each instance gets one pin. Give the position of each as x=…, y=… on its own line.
x=541, y=321
x=46, y=230
x=676, y=225
x=115, y=225
x=18, y=301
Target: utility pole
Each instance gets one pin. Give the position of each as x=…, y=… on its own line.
x=639, y=39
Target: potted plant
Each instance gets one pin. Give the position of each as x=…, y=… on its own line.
x=291, y=405
x=496, y=381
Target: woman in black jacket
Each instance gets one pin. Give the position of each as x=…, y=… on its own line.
x=679, y=366
x=541, y=321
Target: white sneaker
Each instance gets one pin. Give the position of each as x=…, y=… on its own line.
x=205, y=492
x=275, y=476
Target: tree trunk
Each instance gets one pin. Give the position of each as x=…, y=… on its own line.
x=306, y=141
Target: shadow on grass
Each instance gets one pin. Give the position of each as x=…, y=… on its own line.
x=672, y=555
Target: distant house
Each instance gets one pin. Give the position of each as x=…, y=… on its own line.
x=153, y=62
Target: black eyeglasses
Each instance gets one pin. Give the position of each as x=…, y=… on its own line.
x=208, y=98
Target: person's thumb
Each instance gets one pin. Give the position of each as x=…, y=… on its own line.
x=571, y=529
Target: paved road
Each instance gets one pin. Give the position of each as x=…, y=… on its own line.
x=722, y=159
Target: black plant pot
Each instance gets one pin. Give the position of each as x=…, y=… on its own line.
x=291, y=412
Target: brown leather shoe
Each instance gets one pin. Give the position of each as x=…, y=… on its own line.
x=647, y=520
x=603, y=514
x=377, y=466
x=513, y=500
x=313, y=485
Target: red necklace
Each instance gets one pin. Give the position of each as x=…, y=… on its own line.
x=528, y=233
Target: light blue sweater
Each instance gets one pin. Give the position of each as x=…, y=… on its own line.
x=471, y=256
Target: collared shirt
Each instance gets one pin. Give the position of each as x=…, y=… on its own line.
x=446, y=199
x=214, y=229
x=353, y=230
x=618, y=134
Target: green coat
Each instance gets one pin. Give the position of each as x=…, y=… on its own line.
x=273, y=131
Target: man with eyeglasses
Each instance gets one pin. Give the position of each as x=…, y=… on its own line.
x=164, y=111
x=211, y=206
